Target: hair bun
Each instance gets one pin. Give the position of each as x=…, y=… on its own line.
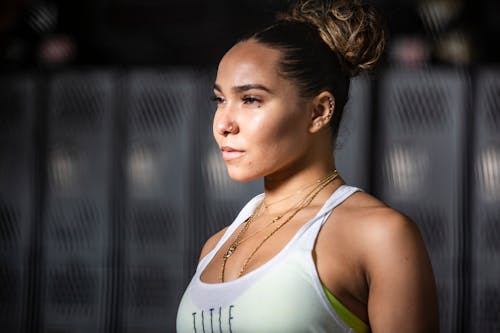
x=353, y=31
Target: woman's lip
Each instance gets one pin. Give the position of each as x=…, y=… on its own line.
x=228, y=148
x=229, y=153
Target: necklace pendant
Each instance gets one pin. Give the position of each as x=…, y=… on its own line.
x=229, y=251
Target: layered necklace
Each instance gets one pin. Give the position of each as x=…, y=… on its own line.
x=303, y=203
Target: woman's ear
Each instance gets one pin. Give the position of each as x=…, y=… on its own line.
x=322, y=111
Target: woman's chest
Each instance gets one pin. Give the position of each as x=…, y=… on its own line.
x=285, y=297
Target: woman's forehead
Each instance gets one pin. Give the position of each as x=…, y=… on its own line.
x=249, y=62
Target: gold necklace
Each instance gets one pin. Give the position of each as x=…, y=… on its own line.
x=306, y=201
x=278, y=217
x=267, y=205
x=273, y=221
x=236, y=242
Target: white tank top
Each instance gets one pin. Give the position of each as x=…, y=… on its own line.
x=283, y=295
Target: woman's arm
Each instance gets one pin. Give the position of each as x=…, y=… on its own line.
x=402, y=291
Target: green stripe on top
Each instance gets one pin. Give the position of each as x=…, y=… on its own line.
x=347, y=316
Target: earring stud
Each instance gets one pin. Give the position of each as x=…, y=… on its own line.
x=331, y=104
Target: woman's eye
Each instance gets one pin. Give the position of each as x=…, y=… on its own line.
x=251, y=100
x=217, y=99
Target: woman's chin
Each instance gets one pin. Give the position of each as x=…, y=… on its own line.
x=242, y=175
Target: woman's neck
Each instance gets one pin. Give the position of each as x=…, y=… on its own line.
x=282, y=191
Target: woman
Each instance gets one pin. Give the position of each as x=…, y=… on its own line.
x=310, y=254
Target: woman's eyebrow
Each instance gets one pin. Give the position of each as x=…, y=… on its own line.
x=245, y=87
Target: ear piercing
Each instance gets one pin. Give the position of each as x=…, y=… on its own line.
x=331, y=104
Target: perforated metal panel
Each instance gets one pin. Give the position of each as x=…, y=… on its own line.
x=77, y=215
x=419, y=168
x=159, y=141
x=485, y=205
x=17, y=162
x=119, y=239
x=353, y=146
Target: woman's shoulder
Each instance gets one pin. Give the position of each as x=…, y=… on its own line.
x=369, y=223
x=376, y=231
x=388, y=249
x=370, y=213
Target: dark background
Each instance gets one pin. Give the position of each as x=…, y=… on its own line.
x=197, y=33
x=110, y=181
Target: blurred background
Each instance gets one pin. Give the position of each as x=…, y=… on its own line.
x=110, y=181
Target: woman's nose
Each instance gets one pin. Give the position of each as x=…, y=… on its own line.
x=226, y=125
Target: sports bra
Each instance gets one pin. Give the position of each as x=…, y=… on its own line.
x=285, y=294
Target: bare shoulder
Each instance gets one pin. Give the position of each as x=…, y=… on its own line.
x=395, y=263
x=211, y=242
x=369, y=230
x=389, y=239
x=374, y=232
x=375, y=222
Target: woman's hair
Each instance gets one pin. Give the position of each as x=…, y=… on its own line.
x=324, y=44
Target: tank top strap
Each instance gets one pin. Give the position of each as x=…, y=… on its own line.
x=308, y=239
x=244, y=214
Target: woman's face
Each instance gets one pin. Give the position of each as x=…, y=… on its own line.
x=261, y=124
